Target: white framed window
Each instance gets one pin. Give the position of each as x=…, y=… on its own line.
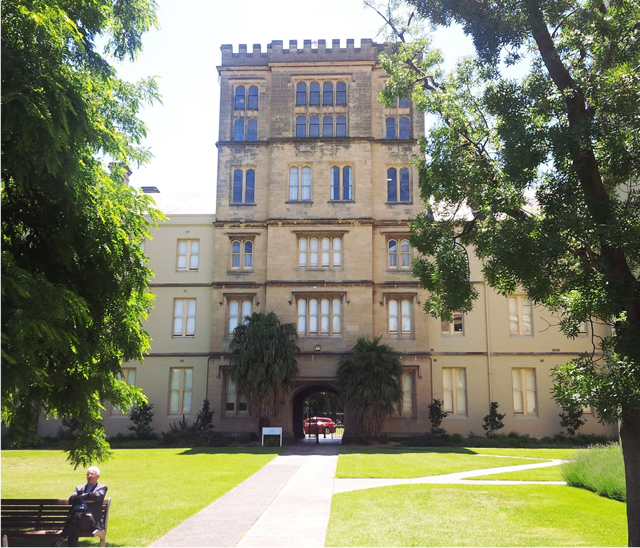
x=319, y=317
x=184, y=317
x=404, y=408
x=299, y=184
x=242, y=255
x=520, y=315
x=454, y=390
x=188, y=255
x=320, y=252
x=456, y=327
x=234, y=403
x=524, y=391
x=239, y=309
x=398, y=254
x=180, y=390
x=341, y=183
x=129, y=376
x=400, y=317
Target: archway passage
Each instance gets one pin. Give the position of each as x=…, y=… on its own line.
x=320, y=400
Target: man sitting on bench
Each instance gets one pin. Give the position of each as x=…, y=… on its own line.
x=84, y=518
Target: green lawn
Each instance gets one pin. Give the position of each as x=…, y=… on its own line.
x=153, y=490
x=460, y=515
x=370, y=462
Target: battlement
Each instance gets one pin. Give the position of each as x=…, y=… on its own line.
x=312, y=51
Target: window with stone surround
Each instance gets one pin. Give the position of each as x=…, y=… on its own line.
x=341, y=183
x=184, y=317
x=454, y=390
x=245, y=100
x=524, y=391
x=180, y=390
x=239, y=307
x=188, y=255
x=398, y=185
x=251, y=130
x=244, y=186
x=398, y=254
x=242, y=255
x=299, y=184
x=235, y=404
x=319, y=315
x=319, y=252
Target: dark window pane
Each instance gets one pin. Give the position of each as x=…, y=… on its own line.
x=346, y=183
x=237, y=186
x=235, y=247
x=392, y=194
x=301, y=94
x=391, y=128
x=404, y=185
x=404, y=102
x=327, y=126
x=341, y=93
x=314, y=126
x=301, y=126
x=252, y=130
x=314, y=94
x=404, y=128
x=250, y=186
x=240, y=97
x=341, y=126
x=238, y=130
x=253, y=98
x=327, y=93
x=335, y=183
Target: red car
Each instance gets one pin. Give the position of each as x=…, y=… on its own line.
x=324, y=425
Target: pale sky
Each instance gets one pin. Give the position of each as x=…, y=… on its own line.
x=184, y=52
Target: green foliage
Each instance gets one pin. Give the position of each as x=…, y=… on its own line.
x=198, y=434
x=369, y=379
x=538, y=175
x=436, y=416
x=599, y=469
x=142, y=416
x=263, y=362
x=75, y=284
x=204, y=419
x=493, y=421
x=383, y=438
x=571, y=418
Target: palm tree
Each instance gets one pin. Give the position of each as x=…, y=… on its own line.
x=369, y=379
x=263, y=363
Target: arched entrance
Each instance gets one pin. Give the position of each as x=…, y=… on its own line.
x=298, y=402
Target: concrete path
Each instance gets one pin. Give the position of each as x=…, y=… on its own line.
x=288, y=501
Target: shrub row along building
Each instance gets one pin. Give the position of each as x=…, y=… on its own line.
x=315, y=195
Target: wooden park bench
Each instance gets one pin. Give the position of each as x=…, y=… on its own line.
x=42, y=517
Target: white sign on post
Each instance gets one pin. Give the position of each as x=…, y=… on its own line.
x=272, y=431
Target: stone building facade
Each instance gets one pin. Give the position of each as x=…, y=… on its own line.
x=315, y=195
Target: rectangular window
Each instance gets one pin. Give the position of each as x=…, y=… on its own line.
x=319, y=253
x=188, y=253
x=234, y=404
x=398, y=254
x=524, y=391
x=239, y=309
x=319, y=317
x=244, y=186
x=341, y=183
x=242, y=255
x=401, y=192
x=454, y=390
x=184, y=317
x=520, y=315
x=400, y=317
x=406, y=404
x=456, y=327
x=299, y=184
x=129, y=376
x=180, y=390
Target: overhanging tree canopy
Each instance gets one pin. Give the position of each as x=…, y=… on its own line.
x=539, y=174
x=75, y=284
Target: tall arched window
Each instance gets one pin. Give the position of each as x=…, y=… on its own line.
x=327, y=93
x=301, y=94
x=253, y=98
x=235, y=254
x=301, y=126
x=250, y=186
x=238, y=130
x=341, y=93
x=293, y=184
x=405, y=261
x=405, y=195
x=314, y=93
x=392, y=185
x=407, y=394
x=252, y=130
x=391, y=128
x=341, y=126
x=314, y=126
x=238, y=312
x=404, y=128
x=327, y=126
x=248, y=254
x=237, y=186
x=239, y=102
x=346, y=183
x=393, y=254
x=399, y=317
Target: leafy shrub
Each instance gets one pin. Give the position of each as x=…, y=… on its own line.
x=436, y=416
x=142, y=416
x=383, y=438
x=493, y=421
x=362, y=437
x=599, y=469
x=571, y=418
x=198, y=434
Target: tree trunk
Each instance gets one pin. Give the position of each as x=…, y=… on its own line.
x=630, y=437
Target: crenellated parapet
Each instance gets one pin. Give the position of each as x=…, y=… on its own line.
x=313, y=51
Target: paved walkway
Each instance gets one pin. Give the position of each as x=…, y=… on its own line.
x=288, y=501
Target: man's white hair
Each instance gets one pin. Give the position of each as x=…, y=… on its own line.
x=95, y=468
